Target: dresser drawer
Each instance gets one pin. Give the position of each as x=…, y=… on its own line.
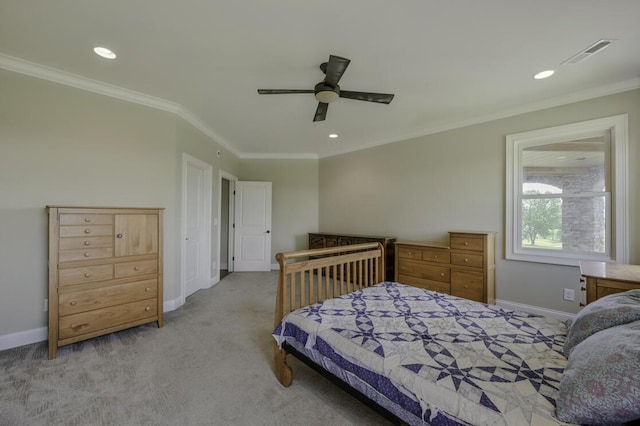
x=85, y=242
x=316, y=242
x=436, y=256
x=86, y=219
x=85, y=231
x=98, y=319
x=606, y=287
x=467, y=284
x=409, y=253
x=86, y=274
x=131, y=269
x=81, y=301
x=438, y=286
x=474, y=260
x=430, y=272
x=85, y=254
x=467, y=243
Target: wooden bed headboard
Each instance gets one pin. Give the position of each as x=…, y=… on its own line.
x=311, y=276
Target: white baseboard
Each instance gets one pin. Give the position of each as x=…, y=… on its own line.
x=214, y=280
x=171, y=305
x=534, y=310
x=21, y=338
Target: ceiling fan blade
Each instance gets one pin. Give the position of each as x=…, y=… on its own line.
x=382, y=98
x=335, y=68
x=321, y=112
x=282, y=91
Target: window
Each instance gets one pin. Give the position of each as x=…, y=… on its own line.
x=566, y=193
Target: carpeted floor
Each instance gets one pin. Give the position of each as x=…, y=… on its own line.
x=211, y=364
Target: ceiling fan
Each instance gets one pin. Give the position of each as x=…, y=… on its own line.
x=328, y=90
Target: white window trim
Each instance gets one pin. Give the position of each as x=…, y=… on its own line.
x=618, y=125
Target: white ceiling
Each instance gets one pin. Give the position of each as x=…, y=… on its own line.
x=449, y=63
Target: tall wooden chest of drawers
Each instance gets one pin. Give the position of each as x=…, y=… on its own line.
x=464, y=268
x=325, y=239
x=105, y=271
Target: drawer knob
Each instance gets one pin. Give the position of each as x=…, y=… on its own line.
x=87, y=275
x=410, y=252
x=466, y=243
x=442, y=274
x=466, y=286
x=87, y=231
x=87, y=254
x=466, y=260
x=136, y=268
x=435, y=256
x=73, y=303
x=119, y=236
x=87, y=243
x=78, y=325
x=148, y=308
x=148, y=289
x=87, y=219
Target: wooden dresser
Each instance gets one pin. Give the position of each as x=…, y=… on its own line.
x=603, y=278
x=324, y=239
x=105, y=271
x=465, y=267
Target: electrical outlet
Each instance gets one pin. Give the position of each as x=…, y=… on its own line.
x=46, y=305
x=569, y=294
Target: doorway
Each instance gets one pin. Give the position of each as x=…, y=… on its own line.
x=224, y=227
x=226, y=184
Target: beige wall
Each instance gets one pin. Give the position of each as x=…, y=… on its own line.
x=64, y=146
x=421, y=188
x=295, y=199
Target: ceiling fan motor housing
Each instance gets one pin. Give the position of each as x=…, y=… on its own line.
x=325, y=93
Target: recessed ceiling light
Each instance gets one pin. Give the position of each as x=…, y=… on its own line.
x=544, y=74
x=333, y=135
x=104, y=52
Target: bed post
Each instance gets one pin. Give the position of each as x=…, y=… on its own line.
x=362, y=259
x=283, y=371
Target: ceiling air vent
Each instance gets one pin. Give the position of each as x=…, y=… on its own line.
x=588, y=52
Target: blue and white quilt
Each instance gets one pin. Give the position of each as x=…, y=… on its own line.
x=436, y=359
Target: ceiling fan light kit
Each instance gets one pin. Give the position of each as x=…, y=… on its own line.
x=326, y=94
x=328, y=91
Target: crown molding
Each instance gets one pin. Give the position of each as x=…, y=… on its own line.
x=73, y=80
x=584, y=95
x=32, y=69
x=186, y=115
x=279, y=156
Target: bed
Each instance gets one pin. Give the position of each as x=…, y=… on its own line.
x=421, y=357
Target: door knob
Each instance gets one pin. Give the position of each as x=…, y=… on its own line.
x=268, y=232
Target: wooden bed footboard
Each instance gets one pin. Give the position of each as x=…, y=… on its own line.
x=311, y=276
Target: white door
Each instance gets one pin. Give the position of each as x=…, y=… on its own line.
x=252, y=242
x=196, y=224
